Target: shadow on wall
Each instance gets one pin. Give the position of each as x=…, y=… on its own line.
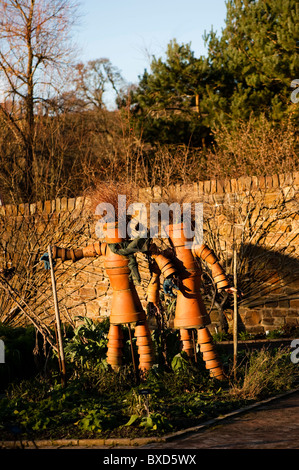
x=268, y=279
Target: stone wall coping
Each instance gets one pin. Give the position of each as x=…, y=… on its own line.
x=269, y=183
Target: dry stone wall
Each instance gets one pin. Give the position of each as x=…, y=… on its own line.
x=257, y=216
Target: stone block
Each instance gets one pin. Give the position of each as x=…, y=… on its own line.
x=262, y=182
x=220, y=186
x=275, y=181
x=48, y=207
x=213, y=188
x=267, y=322
x=87, y=292
x=294, y=303
x=71, y=204
x=63, y=204
x=207, y=186
x=268, y=182
x=227, y=186
x=200, y=185
x=234, y=185
x=279, y=322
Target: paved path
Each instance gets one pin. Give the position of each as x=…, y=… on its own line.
x=274, y=425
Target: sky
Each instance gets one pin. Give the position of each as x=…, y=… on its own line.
x=130, y=32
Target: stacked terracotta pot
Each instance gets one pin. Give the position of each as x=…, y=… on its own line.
x=115, y=346
x=190, y=310
x=153, y=289
x=126, y=306
x=187, y=342
x=144, y=345
x=209, y=353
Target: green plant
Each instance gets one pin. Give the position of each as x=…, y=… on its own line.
x=96, y=419
x=275, y=334
x=179, y=363
x=153, y=422
x=88, y=343
x=244, y=335
x=221, y=336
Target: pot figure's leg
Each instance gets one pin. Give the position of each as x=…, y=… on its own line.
x=187, y=343
x=115, y=346
x=145, y=346
x=209, y=353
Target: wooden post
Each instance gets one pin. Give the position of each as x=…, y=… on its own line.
x=194, y=346
x=132, y=353
x=58, y=325
x=235, y=320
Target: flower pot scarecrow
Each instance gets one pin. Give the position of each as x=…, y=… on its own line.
x=190, y=312
x=120, y=265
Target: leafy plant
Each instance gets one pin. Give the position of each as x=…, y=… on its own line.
x=153, y=422
x=96, y=419
x=89, y=342
x=179, y=363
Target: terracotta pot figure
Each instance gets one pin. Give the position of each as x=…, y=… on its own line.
x=126, y=307
x=190, y=310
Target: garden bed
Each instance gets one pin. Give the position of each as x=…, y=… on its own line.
x=100, y=403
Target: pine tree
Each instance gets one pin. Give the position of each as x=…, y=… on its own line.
x=166, y=98
x=254, y=61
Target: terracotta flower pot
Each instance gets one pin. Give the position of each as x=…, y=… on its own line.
x=184, y=335
x=143, y=341
x=204, y=336
x=115, y=343
x=125, y=308
x=215, y=369
x=187, y=344
x=209, y=355
x=212, y=364
x=145, y=366
x=190, y=310
x=142, y=330
x=115, y=332
x=115, y=352
x=205, y=347
x=165, y=265
x=114, y=361
x=152, y=292
x=145, y=358
x=217, y=373
x=146, y=349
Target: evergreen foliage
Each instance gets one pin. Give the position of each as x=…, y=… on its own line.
x=247, y=72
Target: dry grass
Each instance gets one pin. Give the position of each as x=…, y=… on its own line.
x=266, y=373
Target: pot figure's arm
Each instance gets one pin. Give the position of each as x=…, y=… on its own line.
x=91, y=251
x=163, y=261
x=153, y=288
x=206, y=254
x=162, y=264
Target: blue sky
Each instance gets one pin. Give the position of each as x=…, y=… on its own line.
x=129, y=32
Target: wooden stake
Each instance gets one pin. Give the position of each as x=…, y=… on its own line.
x=194, y=346
x=235, y=320
x=132, y=353
x=58, y=325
